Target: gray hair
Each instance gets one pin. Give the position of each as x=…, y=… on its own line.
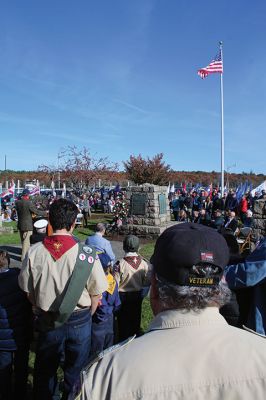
x=100, y=227
x=193, y=298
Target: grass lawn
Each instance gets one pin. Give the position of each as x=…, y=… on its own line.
x=10, y=238
x=146, y=251
x=81, y=233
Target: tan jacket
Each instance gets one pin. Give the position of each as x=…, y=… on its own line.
x=132, y=276
x=45, y=279
x=184, y=356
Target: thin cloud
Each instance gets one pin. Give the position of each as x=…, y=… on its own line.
x=75, y=137
x=5, y=117
x=81, y=137
x=131, y=106
x=43, y=82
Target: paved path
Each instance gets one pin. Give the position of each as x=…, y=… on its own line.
x=15, y=252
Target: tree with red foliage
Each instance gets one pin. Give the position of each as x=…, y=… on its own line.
x=151, y=170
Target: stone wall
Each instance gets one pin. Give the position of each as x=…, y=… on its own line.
x=4, y=230
x=152, y=218
x=259, y=217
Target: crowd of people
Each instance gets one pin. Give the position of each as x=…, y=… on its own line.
x=80, y=300
x=228, y=213
x=189, y=206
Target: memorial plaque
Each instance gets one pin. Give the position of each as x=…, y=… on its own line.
x=138, y=203
x=162, y=204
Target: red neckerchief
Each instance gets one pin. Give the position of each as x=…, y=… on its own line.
x=57, y=245
x=134, y=261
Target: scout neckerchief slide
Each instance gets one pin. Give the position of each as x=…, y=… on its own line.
x=60, y=313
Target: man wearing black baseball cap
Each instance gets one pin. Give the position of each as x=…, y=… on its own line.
x=189, y=351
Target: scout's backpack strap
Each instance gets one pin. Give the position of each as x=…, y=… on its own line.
x=82, y=270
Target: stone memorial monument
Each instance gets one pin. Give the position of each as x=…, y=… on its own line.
x=259, y=216
x=149, y=212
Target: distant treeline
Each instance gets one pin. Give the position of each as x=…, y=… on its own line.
x=175, y=177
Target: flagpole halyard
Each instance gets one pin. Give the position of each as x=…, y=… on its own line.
x=222, y=123
x=216, y=66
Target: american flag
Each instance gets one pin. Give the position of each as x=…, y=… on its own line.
x=215, y=65
x=9, y=192
x=35, y=191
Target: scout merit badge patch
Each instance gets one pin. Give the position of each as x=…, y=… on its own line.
x=111, y=283
x=88, y=250
x=57, y=245
x=90, y=259
x=82, y=257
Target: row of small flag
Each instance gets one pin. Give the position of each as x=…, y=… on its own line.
x=240, y=190
x=33, y=191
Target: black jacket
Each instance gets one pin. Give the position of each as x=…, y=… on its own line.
x=15, y=312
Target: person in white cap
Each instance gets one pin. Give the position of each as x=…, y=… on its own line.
x=39, y=231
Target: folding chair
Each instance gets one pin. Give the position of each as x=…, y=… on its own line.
x=244, y=239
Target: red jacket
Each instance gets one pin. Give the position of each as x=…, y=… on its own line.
x=244, y=205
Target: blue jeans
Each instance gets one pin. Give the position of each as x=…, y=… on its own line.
x=14, y=373
x=102, y=335
x=72, y=342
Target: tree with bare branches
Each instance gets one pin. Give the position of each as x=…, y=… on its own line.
x=80, y=168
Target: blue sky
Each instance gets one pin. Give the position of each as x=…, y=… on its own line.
x=120, y=77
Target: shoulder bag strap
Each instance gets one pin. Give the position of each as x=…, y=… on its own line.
x=80, y=275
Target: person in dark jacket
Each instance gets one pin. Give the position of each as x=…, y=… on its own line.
x=251, y=274
x=15, y=333
x=25, y=209
x=231, y=202
x=218, y=221
x=232, y=311
x=231, y=222
x=204, y=218
x=218, y=203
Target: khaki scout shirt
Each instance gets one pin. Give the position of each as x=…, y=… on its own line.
x=184, y=356
x=130, y=279
x=45, y=279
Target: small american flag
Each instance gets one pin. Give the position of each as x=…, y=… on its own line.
x=215, y=65
x=35, y=191
x=9, y=192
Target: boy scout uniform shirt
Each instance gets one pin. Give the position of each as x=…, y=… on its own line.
x=45, y=279
x=184, y=356
x=132, y=276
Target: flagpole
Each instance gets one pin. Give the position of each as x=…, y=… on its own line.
x=222, y=123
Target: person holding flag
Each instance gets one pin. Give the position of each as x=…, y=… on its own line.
x=25, y=209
